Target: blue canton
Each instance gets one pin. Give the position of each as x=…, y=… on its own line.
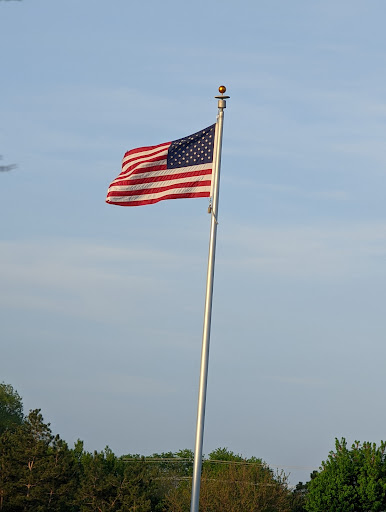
x=195, y=149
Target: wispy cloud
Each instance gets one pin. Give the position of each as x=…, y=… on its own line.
x=98, y=281
x=290, y=191
x=293, y=380
x=309, y=251
x=121, y=384
x=79, y=278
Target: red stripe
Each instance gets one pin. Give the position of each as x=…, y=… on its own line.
x=158, y=190
x=145, y=148
x=158, y=155
x=141, y=170
x=136, y=167
x=153, y=179
x=158, y=199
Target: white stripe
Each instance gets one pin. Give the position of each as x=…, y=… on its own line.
x=165, y=172
x=141, y=161
x=156, y=184
x=141, y=165
x=147, y=151
x=146, y=197
x=141, y=157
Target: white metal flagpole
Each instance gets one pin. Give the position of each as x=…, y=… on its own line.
x=208, y=305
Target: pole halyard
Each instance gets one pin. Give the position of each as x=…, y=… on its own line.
x=208, y=305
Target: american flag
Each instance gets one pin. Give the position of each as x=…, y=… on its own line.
x=173, y=170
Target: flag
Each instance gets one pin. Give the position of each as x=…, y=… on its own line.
x=173, y=170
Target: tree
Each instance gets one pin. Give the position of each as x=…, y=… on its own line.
x=351, y=480
x=162, y=473
x=108, y=484
x=37, y=470
x=11, y=407
x=230, y=482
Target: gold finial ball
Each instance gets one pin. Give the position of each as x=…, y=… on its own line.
x=222, y=89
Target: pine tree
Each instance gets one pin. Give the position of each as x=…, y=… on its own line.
x=38, y=471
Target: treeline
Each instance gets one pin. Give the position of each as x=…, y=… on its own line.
x=39, y=472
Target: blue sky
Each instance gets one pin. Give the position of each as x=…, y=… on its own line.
x=101, y=306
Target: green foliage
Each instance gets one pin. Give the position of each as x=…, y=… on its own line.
x=39, y=473
x=231, y=483
x=298, y=497
x=37, y=469
x=224, y=454
x=351, y=480
x=11, y=407
x=164, y=471
x=109, y=484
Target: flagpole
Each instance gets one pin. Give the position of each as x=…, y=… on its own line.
x=208, y=305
